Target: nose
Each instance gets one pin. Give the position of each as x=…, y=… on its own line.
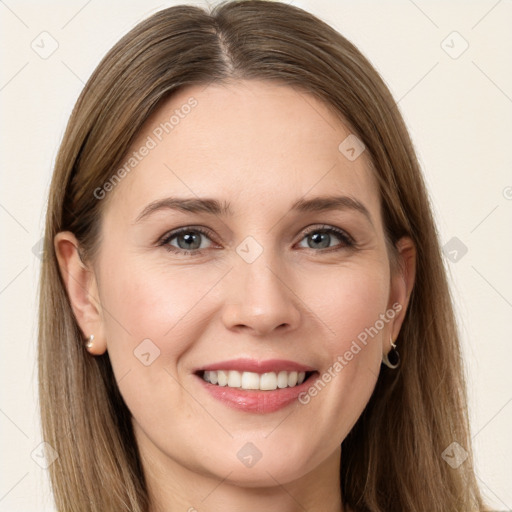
x=261, y=298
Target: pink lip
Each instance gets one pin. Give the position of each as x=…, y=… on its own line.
x=253, y=365
x=255, y=401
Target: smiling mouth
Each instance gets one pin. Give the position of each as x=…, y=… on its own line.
x=268, y=381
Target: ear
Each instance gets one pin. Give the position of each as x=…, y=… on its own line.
x=82, y=290
x=402, y=282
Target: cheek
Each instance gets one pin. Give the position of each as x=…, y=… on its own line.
x=151, y=302
x=352, y=311
x=152, y=316
x=349, y=301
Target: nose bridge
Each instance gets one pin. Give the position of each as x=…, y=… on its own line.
x=259, y=296
x=261, y=277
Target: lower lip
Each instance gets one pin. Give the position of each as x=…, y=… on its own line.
x=254, y=401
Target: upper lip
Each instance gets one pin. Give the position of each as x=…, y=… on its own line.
x=256, y=366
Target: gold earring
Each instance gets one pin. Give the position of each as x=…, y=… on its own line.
x=89, y=342
x=395, y=357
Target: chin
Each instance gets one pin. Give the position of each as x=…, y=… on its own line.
x=258, y=472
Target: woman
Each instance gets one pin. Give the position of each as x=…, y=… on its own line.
x=197, y=349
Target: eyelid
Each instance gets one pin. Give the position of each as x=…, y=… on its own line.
x=175, y=232
x=347, y=241
x=341, y=233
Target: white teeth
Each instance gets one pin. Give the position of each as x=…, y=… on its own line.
x=268, y=381
x=222, y=378
x=282, y=380
x=234, y=379
x=249, y=380
x=292, y=379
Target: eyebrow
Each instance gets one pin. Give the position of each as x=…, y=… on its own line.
x=223, y=208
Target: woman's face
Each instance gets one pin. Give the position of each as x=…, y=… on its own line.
x=280, y=283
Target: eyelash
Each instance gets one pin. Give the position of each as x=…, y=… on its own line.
x=347, y=241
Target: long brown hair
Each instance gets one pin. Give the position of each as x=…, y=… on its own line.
x=392, y=460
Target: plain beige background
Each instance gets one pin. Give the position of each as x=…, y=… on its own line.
x=447, y=64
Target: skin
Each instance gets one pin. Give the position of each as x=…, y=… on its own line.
x=261, y=146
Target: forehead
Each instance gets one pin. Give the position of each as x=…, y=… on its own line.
x=253, y=143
